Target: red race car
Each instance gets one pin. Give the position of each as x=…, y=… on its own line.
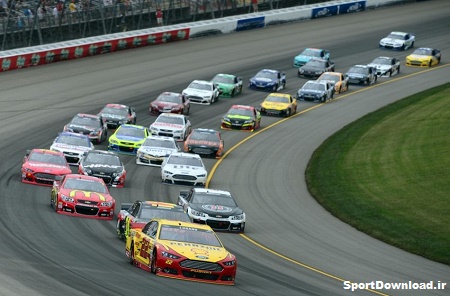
x=170, y=102
x=136, y=215
x=42, y=166
x=85, y=196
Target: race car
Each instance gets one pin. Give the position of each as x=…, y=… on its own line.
x=128, y=138
x=315, y=67
x=184, y=169
x=309, y=53
x=42, y=167
x=339, y=81
x=105, y=165
x=266, y=79
x=72, y=145
x=229, y=84
x=155, y=149
x=181, y=250
x=216, y=208
x=170, y=102
x=362, y=74
x=424, y=57
x=84, y=196
x=204, y=142
x=386, y=66
x=94, y=126
x=136, y=215
x=279, y=104
x=117, y=114
x=241, y=117
x=314, y=90
x=202, y=92
x=398, y=40
x=176, y=126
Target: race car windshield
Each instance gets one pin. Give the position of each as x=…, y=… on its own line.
x=170, y=98
x=86, y=121
x=422, y=51
x=188, y=161
x=201, y=86
x=189, y=235
x=277, y=99
x=396, y=36
x=115, y=111
x=330, y=77
x=103, y=159
x=130, y=132
x=358, y=70
x=266, y=74
x=203, y=136
x=74, y=141
x=314, y=86
x=47, y=158
x=171, y=120
x=223, y=79
x=311, y=53
x=240, y=111
x=175, y=214
x=380, y=61
x=150, y=142
x=316, y=64
x=85, y=185
x=214, y=199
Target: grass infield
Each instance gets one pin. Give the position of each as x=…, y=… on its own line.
x=388, y=174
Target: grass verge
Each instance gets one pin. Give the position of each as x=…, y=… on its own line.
x=388, y=174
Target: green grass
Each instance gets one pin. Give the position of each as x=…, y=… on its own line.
x=388, y=174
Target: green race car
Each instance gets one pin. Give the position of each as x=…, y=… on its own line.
x=241, y=117
x=229, y=85
x=128, y=138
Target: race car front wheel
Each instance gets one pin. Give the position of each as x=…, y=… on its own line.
x=131, y=258
x=153, y=266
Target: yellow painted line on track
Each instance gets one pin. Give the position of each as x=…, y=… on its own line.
x=219, y=161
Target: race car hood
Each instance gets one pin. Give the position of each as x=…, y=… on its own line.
x=275, y=105
x=47, y=167
x=184, y=169
x=391, y=41
x=311, y=68
x=225, y=86
x=418, y=57
x=380, y=66
x=241, y=117
x=302, y=58
x=86, y=195
x=69, y=148
x=170, y=126
x=105, y=168
x=311, y=91
x=197, y=251
x=218, y=211
x=356, y=75
x=114, y=117
x=82, y=128
x=203, y=143
x=156, y=151
x=262, y=80
x=197, y=92
x=163, y=105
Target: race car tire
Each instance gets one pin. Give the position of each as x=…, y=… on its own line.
x=412, y=44
x=131, y=259
x=284, y=85
x=390, y=73
x=275, y=88
x=120, y=232
x=339, y=89
x=52, y=204
x=288, y=112
x=233, y=93
x=398, y=70
x=153, y=266
x=429, y=63
x=403, y=47
x=323, y=99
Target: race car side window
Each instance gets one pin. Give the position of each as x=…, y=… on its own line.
x=146, y=227
x=152, y=229
x=136, y=210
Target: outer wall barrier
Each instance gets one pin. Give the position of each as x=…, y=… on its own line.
x=46, y=54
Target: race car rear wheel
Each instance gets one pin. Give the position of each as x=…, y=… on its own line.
x=131, y=259
x=288, y=112
x=275, y=88
x=233, y=93
x=323, y=99
x=153, y=266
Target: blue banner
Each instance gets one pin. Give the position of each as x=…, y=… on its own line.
x=324, y=11
x=251, y=23
x=352, y=7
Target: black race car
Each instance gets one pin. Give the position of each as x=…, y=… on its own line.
x=205, y=142
x=105, y=165
x=117, y=114
x=362, y=74
x=91, y=125
x=315, y=67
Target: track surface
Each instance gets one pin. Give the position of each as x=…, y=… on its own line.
x=303, y=250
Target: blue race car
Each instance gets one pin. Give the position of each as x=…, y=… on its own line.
x=266, y=79
x=309, y=53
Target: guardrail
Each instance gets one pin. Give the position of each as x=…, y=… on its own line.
x=46, y=54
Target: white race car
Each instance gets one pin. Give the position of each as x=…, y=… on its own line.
x=155, y=149
x=73, y=146
x=386, y=66
x=202, y=92
x=398, y=40
x=172, y=125
x=185, y=169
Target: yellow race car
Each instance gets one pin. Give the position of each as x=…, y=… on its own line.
x=279, y=104
x=339, y=80
x=181, y=250
x=424, y=57
x=128, y=138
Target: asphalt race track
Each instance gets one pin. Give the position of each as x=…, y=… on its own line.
x=291, y=245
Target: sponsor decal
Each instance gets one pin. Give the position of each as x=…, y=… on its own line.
x=122, y=44
x=49, y=57
x=93, y=49
x=250, y=23
x=79, y=52
x=151, y=39
x=166, y=37
x=137, y=41
x=20, y=62
x=87, y=194
x=217, y=208
x=324, y=11
x=181, y=34
x=64, y=54
x=200, y=271
x=35, y=58
x=6, y=63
